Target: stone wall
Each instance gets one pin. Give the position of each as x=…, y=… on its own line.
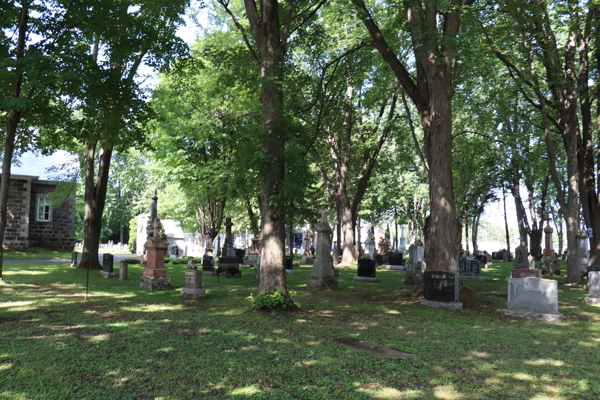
x=59, y=233
x=17, y=221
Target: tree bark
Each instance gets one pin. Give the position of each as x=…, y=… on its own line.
x=432, y=95
x=506, y=224
x=94, y=200
x=474, y=230
x=266, y=32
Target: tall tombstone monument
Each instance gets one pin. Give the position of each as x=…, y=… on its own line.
x=550, y=264
x=155, y=275
x=402, y=245
x=584, y=252
x=593, y=272
x=370, y=245
x=415, y=267
x=322, y=275
x=229, y=263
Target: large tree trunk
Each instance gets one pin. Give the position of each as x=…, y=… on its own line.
x=432, y=95
x=265, y=29
x=506, y=224
x=14, y=117
x=522, y=221
x=475, y=228
x=349, y=255
x=94, y=199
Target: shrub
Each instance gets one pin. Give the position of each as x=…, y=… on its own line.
x=130, y=261
x=268, y=301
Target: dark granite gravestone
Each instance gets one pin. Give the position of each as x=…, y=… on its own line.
x=107, y=262
x=593, y=268
x=240, y=253
x=396, y=258
x=469, y=267
x=367, y=268
x=288, y=263
x=441, y=286
x=207, y=263
x=379, y=259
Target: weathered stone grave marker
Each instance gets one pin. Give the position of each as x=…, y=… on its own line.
x=123, y=270
x=155, y=275
x=107, y=266
x=229, y=264
x=533, y=298
x=322, y=274
x=593, y=284
x=192, y=286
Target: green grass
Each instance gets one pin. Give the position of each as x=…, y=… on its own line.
x=124, y=343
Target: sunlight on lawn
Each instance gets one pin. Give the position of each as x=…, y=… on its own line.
x=446, y=392
x=245, y=391
x=25, y=272
x=555, y=363
x=155, y=308
x=4, y=367
x=383, y=392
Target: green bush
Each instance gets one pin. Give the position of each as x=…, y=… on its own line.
x=130, y=261
x=268, y=301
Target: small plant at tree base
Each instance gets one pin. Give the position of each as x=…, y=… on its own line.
x=270, y=300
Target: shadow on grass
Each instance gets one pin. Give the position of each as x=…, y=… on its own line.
x=127, y=343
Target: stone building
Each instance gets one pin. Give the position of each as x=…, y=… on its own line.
x=39, y=214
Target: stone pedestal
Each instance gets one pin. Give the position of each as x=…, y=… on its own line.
x=107, y=274
x=322, y=274
x=593, y=284
x=533, y=298
x=255, y=245
x=306, y=260
x=123, y=271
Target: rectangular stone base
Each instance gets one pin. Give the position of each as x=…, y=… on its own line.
x=365, y=279
x=442, y=304
x=152, y=284
x=472, y=278
x=322, y=283
x=534, y=316
x=395, y=267
x=592, y=300
x=107, y=274
x=230, y=273
x=193, y=294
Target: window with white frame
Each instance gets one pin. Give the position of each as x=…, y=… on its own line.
x=44, y=209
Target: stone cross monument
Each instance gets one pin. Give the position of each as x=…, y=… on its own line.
x=323, y=274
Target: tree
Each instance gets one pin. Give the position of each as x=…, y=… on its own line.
x=33, y=75
x=434, y=49
x=113, y=107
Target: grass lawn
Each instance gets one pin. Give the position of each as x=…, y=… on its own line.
x=124, y=343
x=33, y=253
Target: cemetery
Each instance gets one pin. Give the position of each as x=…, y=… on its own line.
x=300, y=200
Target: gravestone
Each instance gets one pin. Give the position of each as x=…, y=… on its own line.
x=208, y=262
x=229, y=263
x=107, y=266
x=381, y=249
x=441, y=286
x=155, y=275
x=73, y=259
x=470, y=269
x=583, y=253
x=366, y=271
x=395, y=261
x=306, y=245
x=192, y=286
x=255, y=245
x=322, y=274
x=253, y=259
x=593, y=272
x=289, y=265
x=416, y=264
x=550, y=264
x=533, y=298
x=402, y=245
x=521, y=261
x=123, y=270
